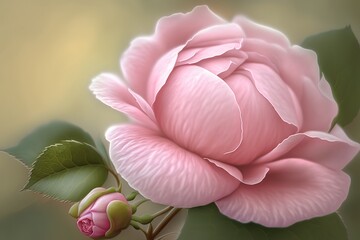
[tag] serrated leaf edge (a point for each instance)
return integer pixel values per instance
(25, 188)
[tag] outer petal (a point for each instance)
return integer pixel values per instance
(100, 219)
(138, 61)
(207, 43)
(101, 203)
(260, 134)
(293, 190)
(299, 69)
(272, 87)
(255, 30)
(198, 111)
(109, 89)
(332, 150)
(97, 232)
(318, 104)
(163, 172)
(249, 175)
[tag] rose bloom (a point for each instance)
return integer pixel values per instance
(231, 113)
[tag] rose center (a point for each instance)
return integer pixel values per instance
(86, 226)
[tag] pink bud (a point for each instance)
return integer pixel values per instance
(106, 215)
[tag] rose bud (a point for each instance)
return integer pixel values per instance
(103, 213)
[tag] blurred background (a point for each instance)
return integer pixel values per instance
(50, 51)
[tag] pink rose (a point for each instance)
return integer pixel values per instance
(102, 213)
(230, 113)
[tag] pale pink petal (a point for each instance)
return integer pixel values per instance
(260, 134)
(198, 111)
(319, 107)
(293, 190)
(254, 174)
(102, 202)
(172, 31)
(298, 68)
(160, 73)
(255, 30)
(291, 63)
(272, 87)
(216, 35)
(333, 150)
(249, 175)
(109, 89)
(144, 106)
(101, 220)
(97, 232)
(166, 63)
(164, 172)
(213, 51)
(222, 66)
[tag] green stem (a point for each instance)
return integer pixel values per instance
(135, 207)
(161, 212)
(132, 196)
(165, 221)
(146, 219)
(137, 227)
(118, 182)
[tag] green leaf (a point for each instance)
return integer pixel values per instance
(33, 144)
(207, 223)
(67, 171)
(339, 59)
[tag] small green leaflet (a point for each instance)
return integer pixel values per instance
(339, 59)
(67, 171)
(33, 144)
(207, 223)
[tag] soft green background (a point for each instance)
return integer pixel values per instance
(49, 52)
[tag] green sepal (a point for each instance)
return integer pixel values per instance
(119, 215)
(145, 219)
(90, 198)
(132, 196)
(74, 210)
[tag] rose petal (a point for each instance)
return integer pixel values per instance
(334, 150)
(272, 87)
(109, 89)
(319, 107)
(260, 134)
(299, 69)
(213, 51)
(293, 190)
(101, 204)
(255, 30)
(216, 35)
(213, 41)
(101, 220)
(138, 61)
(162, 171)
(249, 175)
(198, 111)
(97, 232)
(222, 66)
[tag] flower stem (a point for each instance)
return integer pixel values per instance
(161, 212)
(151, 233)
(118, 182)
(165, 221)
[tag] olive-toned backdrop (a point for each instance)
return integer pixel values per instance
(49, 52)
